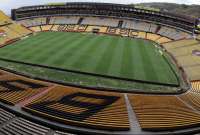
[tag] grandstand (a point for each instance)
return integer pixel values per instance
(163, 112)
(33, 22)
(101, 21)
(98, 68)
(4, 19)
(11, 31)
(64, 20)
(89, 109)
(183, 51)
(11, 124)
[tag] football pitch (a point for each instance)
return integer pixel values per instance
(128, 58)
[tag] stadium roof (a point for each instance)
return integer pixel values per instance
(7, 5)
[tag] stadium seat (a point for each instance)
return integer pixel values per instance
(22, 126)
(14, 89)
(142, 35)
(10, 35)
(22, 31)
(55, 27)
(180, 43)
(157, 112)
(192, 97)
(112, 31)
(184, 50)
(195, 86)
(4, 20)
(70, 27)
(61, 28)
(25, 23)
(133, 33)
(35, 28)
(11, 30)
(79, 107)
(46, 27)
(33, 22)
(33, 107)
(152, 36)
(153, 28)
(124, 32)
(173, 33)
(129, 24)
(186, 54)
(5, 116)
(163, 40)
(16, 125)
(138, 25)
(10, 124)
(81, 28)
(100, 21)
(102, 29)
(64, 20)
(193, 72)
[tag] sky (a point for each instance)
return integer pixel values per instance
(7, 5)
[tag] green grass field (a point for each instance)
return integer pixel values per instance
(99, 54)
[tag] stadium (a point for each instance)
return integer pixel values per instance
(98, 68)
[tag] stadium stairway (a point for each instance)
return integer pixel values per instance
(120, 24)
(80, 21)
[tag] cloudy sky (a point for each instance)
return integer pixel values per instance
(6, 5)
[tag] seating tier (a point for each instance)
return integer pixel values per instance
(79, 107)
(14, 89)
(155, 112)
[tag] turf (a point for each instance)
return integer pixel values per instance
(99, 54)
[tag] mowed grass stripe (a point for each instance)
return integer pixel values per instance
(97, 53)
(21, 42)
(168, 71)
(139, 67)
(66, 51)
(156, 63)
(106, 57)
(44, 49)
(73, 54)
(161, 65)
(81, 58)
(14, 49)
(92, 49)
(56, 46)
(149, 72)
(150, 55)
(116, 62)
(127, 60)
(30, 50)
(61, 50)
(101, 54)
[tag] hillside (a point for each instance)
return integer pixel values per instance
(190, 10)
